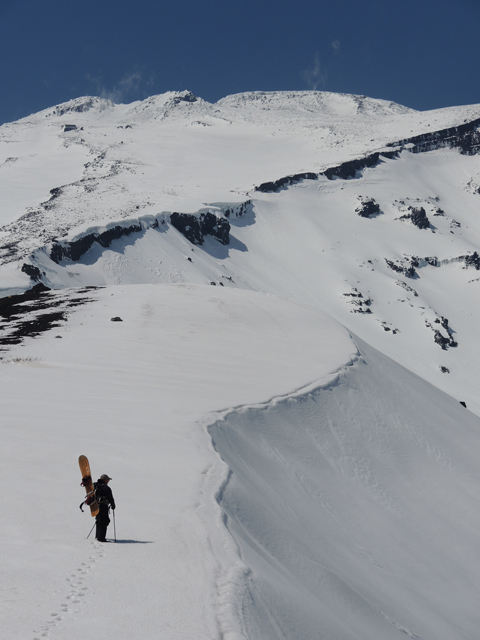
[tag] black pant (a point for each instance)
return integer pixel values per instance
(103, 521)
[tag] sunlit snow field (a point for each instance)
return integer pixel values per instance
(135, 397)
(284, 466)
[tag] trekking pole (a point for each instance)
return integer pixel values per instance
(91, 530)
(114, 528)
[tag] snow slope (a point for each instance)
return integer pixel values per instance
(307, 243)
(357, 508)
(137, 164)
(339, 497)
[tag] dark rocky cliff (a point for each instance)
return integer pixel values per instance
(464, 137)
(194, 228)
(75, 249)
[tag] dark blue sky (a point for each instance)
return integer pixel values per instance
(421, 53)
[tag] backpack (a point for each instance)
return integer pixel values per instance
(94, 495)
(99, 497)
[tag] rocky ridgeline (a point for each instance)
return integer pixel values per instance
(75, 249)
(465, 138)
(287, 181)
(193, 226)
(409, 265)
(344, 171)
(44, 223)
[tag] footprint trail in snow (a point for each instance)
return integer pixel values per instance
(76, 594)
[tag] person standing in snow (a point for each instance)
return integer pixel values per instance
(105, 500)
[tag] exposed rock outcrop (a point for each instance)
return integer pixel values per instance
(81, 105)
(194, 228)
(32, 271)
(408, 271)
(350, 169)
(359, 302)
(407, 288)
(33, 312)
(344, 171)
(281, 183)
(185, 96)
(367, 208)
(237, 210)
(444, 341)
(75, 249)
(472, 260)
(387, 326)
(464, 137)
(418, 217)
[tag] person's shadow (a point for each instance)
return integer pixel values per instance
(132, 541)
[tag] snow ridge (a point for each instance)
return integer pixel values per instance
(310, 449)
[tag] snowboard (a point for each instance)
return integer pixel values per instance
(87, 482)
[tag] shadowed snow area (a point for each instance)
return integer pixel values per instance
(356, 509)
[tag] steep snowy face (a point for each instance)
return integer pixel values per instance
(363, 208)
(343, 502)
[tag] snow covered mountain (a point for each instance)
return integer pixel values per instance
(359, 207)
(306, 282)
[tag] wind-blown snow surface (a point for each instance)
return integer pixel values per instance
(346, 503)
(357, 509)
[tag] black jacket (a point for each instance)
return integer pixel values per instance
(104, 493)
